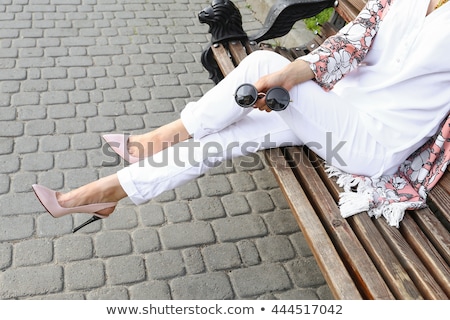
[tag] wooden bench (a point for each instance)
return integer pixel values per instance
(360, 257)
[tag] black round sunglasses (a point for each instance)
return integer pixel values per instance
(277, 98)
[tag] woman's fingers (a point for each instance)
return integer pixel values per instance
(261, 105)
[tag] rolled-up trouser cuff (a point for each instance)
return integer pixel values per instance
(129, 187)
(191, 122)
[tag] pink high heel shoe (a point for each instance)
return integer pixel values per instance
(49, 200)
(119, 142)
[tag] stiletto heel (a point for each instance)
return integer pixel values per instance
(84, 224)
(49, 200)
(119, 142)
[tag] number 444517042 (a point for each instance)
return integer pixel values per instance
(307, 309)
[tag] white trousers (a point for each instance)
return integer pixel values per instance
(222, 130)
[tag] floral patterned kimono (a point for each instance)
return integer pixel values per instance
(397, 79)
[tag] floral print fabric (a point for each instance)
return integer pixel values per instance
(342, 53)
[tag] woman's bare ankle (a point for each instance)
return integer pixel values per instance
(146, 145)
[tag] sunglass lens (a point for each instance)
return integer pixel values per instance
(277, 98)
(246, 95)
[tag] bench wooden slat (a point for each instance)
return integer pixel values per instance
(358, 4)
(435, 231)
(421, 277)
(237, 50)
(328, 30)
(223, 59)
(343, 237)
(333, 269)
(348, 11)
(426, 251)
(385, 260)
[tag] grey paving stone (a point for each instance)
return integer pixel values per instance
(278, 198)
(239, 227)
(176, 212)
(33, 112)
(23, 181)
(150, 290)
(40, 127)
(54, 73)
(6, 146)
(112, 243)
(11, 129)
(84, 275)
(182, 235)
(37, 162)
(152, 215)
(265, 179)
(64, 160)
(73, 248)
(300, 244)
(235, 204)
(129, 123)
(85, 141)
(13, 74)
(123, 218)
(275, 248)
(305, 272)
(193, 260)
(188, 191)
(54, 143)
(5, 255)
(11, 87)
(206, 208)
(33, 252)
(47, 226)
(59, 296)
(165, 265)
(281, 222)
(61, 111)
(16, 227)
(51, 179)
(4, 183)
(298, 294)
(248, 252)
(214, 185)
(102, 125)
(260, 201)
(258, 280)
(211, 286)
(74, 61)
(26, 144)
(77, 177)
(146, 240)
(29, 281)
(108, 293)
(221, 256)
(134, 265)
(325, 293)
(242, 181)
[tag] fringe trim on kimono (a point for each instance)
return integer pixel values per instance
(359, 196)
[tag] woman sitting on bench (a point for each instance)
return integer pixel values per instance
(393, 98)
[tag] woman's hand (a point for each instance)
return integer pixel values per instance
(294, 73)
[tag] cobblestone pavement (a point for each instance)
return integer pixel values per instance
(72, 70)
